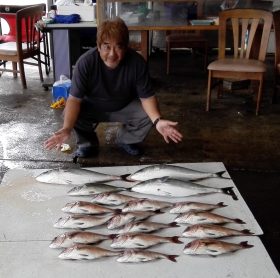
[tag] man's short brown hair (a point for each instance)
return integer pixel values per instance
(113, 29)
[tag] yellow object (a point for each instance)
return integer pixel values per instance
(59, 103)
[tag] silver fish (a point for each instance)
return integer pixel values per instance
(136, 256)
(121, 219)
(213, 231)
(213, 247)
(86, 252)
(74, 176)
(83, 207)
(183, 207)
(176, 188)
(205, 217)
(172, 171)
(141, 240)
(145, 205)
(145, 227)
(110, 198)
(69, 239)
(92, 188)
(81, 221)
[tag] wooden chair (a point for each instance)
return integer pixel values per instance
(276, 24)
(187, 39)
(249, 27)
(27, 44)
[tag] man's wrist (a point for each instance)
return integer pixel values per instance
(156, 121)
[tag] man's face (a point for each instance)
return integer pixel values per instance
(111, 52)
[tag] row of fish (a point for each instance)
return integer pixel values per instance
(83, 176)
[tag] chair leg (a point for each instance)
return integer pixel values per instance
(259, 96)
(167, 58)
(40, 69)
(208, 100)
(22, 74)
(14, 66)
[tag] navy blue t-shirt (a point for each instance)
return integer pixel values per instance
(108, 89)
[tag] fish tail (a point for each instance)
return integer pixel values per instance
(229, 191)
(246, 232)
(175, 239)
(245, 244)
(125, 177)
(112, 236)
(239, 221)
(172, 258)
(221, 204)
(173, 224)
(220, 175)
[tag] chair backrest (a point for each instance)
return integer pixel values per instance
(245, 25)
(276, 24)
(25, 27)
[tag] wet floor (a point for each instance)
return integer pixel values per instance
(231, 133)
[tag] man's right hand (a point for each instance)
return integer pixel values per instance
(57, 139)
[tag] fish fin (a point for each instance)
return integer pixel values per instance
(239, 221)
(245, 244)
(175, 239)
(247, 232)
(173, 224)
(229, 191)
(172, 258)
(221, 204)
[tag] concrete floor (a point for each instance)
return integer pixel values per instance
(231, 133)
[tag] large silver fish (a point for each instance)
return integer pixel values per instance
(176, 188)
(86, 252)
(145, 205)
(121, 219)
(69, 239)
(213, 247)
(89, 189)
(204, 217)
(111, 198)
(74, 176)
(183, 207)
(140, 256)
(145, 227)
(83, 207)
(80, 221)
(213, 231)
(141, 240)
(173, 171)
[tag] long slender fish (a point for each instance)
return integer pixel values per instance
(176, 188)
(213, 247)
(173, 171)
(111, 198)
(80, 221)
(145, 205)
(140, 256)
(213, 231)
(205, 217)
(123, 218)
(183, 207)
(145, 227)
(86, 252)
(83, 207)
(141, 240)
(89, 189)
(74, 176)
(69, 239)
